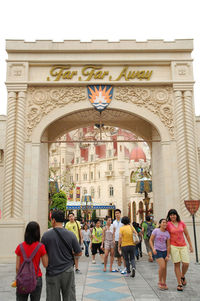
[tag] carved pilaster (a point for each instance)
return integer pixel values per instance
(14, 156)
(186, 147)
(19, 155)
(181, 150)
(9, 156)
(191, 146)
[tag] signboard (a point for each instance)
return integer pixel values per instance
(93, 72)
(192, 206)
(78, 194)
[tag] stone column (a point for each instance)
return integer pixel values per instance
(19, 156)
(186, 147)
(191, 146)
(8, 193)
(14, 157)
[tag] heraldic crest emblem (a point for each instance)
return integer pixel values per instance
(100, 96)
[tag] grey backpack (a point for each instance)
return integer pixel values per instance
(26, 277)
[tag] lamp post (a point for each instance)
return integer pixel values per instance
(144, 185)
(192, 206)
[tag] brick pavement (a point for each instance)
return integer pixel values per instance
(94, 284)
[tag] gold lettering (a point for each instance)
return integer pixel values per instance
(58, 73)
(141, 75)
(89, 73)
(98, 75)
(104, 74)
(122, 74)
(148, 74)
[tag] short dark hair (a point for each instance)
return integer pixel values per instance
(70, 213)
(148, 218)
(173, 211)
(162, 219)
(58, 215)
(32, 233)
(97, 220)
(107, 217)
(118, 210)
(125, 220)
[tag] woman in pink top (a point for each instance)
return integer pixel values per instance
(179, 250)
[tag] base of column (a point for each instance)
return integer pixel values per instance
(11, 233)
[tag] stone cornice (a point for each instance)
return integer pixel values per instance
(178, 45)
(16, 87)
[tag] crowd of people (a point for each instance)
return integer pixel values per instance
(61, 247)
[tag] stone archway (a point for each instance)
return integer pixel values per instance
(46, 98)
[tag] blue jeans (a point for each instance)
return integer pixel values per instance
(86, 243)
(35, 295)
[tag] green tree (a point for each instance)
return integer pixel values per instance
(79, 217)
(94, 216)
(59, 201)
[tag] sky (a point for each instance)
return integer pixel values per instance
(88, 20)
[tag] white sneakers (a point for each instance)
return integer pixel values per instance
(93, 261)
(123, 272)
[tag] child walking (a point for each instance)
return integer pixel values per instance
(160, 244)
(108, 241)
(96, 241)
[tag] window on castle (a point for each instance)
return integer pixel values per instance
(92, 192)
(111, 190)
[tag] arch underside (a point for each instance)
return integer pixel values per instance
(110, 117)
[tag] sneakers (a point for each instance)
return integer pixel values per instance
(93, 261)
(77, 271)
(133, 273)
(114, 271)
(123, 272)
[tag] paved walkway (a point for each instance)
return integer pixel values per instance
(95, 285)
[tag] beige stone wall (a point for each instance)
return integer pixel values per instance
(3, 119)
(159, 107)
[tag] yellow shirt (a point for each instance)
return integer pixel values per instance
(73, 228)
(127, 235)
(97, 232)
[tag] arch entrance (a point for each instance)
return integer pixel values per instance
(47, 96)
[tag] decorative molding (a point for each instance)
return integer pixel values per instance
(9, 157)
(41, 101)
(17, 72)
(157, 100)
(19, 160)
(186, 148)
(191, 147)
(181, 151)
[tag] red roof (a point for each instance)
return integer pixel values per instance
(137, 154)
(101, 151)
(84, 153)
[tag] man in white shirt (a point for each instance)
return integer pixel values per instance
(117, 224)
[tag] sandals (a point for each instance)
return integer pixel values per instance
(180, 288)
(161, 286)
(184, 282)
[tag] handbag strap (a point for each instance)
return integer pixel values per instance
(79, 235)
(64, 241)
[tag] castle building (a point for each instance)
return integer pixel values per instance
(106, 171)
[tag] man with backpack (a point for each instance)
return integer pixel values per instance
(147, 228)
(62, 246)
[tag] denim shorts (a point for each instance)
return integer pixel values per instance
(160, 254)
